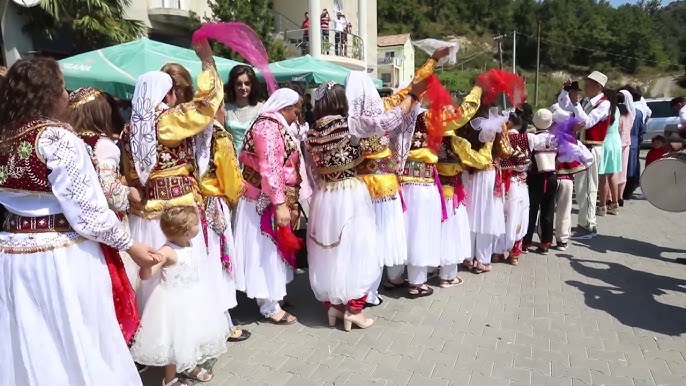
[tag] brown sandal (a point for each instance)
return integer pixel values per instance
(513, 260)
(482, 268)
(284, 320)
(420, 291)
(451, 282)
(390, 286)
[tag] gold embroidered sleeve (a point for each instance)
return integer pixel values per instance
(468, 109)
(422, 72)
(468, 156)
(188, 119)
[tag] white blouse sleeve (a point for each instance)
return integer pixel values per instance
(117, 194)
(362, 127)
(75, 185)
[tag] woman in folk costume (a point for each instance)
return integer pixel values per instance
(221, 186)
(487, 135)
(264, 264)
(94, 115)
(54, 283)
(417, 148)
(160, 151)
(344, 260)
(378, 171)
(453, 157)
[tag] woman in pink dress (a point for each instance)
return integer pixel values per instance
(270, 158)
(627, 113)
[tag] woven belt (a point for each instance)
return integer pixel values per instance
(51, 223)
(167, 188)
(252, 176)
(418, 169)
(382, 165)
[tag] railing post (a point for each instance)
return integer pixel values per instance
(315, 28)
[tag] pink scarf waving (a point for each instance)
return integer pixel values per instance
(242, 39)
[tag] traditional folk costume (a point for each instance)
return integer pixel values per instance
(594, 113)
(454, 156)
(161, 162)
(378, 170)
(53, 274)
(221, 185)
(344, 260)
(270, 159)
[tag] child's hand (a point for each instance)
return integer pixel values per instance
(143, 255)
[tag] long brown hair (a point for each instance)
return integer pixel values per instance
(181, 80)
(29, 90)
(333, 102)
(92, 110)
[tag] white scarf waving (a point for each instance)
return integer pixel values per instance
(151, 88)
(363, 99)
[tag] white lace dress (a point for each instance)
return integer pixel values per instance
(180, 324)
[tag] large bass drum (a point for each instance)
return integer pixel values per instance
(663, 183)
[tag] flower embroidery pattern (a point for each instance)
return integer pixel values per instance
(4, 173)
(24, 150)
(143, 139)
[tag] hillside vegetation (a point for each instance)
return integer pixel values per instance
(640, 43)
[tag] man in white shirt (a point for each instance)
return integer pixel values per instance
(594, 116)
(339, 25)
(643, 106)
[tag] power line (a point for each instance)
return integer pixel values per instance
(596, 50)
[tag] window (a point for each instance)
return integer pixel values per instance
(390, 54)
(386, 77)
(662, 109)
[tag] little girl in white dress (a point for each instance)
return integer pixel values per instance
(179, 341)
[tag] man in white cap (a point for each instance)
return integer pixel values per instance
(594, 116)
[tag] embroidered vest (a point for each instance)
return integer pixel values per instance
(290, 146)
(421, 132)
(173, 157)
(446, 155)
(596, 135)
(21, 166)
(332, 151)
(520, 160)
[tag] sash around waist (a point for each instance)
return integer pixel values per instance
(15, 223)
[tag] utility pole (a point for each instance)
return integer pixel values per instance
(499, 39)
(538, 60)
(514, 52)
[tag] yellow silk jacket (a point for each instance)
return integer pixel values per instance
(223, 177)
(175, 128)
(385, 185)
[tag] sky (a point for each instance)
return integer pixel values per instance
(620, 2)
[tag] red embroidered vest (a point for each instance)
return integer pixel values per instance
(421, 132)
(596, 134)
(520, 160)
(21, 167)
(173, 157)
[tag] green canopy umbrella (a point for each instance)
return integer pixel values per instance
(115, 69)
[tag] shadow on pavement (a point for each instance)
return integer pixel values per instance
(630, 296)
(605, 243)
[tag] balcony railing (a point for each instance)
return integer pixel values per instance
(170, 4)
(333, 43)
(389, 61)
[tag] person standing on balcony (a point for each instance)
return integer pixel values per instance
(305, 27)
(347, 35)
(324, 21)
(340, 25)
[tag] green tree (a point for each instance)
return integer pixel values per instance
(92, 23)
(255, 13)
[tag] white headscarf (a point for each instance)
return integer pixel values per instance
(280, 99)
(363, 99)
(629, 102)
(151, 88)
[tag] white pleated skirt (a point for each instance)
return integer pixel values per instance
(456, 243)
(57, 318)
(423, 224)
(259, 269)
(392, 237)
(516, 213)
(485, 211)
(223, 281)
(342, 249)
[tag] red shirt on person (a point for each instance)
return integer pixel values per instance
(655, 154)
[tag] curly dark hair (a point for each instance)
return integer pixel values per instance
(29, 90)
(255, 86)
(334, 102)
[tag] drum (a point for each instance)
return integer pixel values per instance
(663, 183)
(545, 160)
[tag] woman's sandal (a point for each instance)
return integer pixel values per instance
(420, 291)
(468, 264)
(285, 320)
(390, 286)
(235, 337)
(513, 260)
(202, 375)
(173, 382)
(481, 268)
(451, 282)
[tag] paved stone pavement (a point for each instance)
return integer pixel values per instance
(609, 311)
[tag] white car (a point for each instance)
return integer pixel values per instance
(664, 117)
